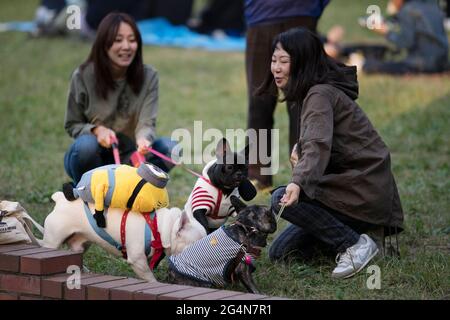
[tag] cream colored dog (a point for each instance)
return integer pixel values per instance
(68, 223)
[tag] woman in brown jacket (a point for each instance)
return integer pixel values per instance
(342, 185)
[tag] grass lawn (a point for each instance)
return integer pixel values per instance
(411, 114)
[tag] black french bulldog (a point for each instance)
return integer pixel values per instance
(226, 255)
(209, 201)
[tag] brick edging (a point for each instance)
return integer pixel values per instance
(28, 272)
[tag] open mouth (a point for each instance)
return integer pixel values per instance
(278, 80)
(125, 56)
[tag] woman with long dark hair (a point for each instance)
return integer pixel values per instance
(113, 95)
(342, 186)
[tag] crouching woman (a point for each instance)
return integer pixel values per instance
(342, 185)
(113, 96)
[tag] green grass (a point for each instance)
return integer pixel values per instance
(410, 113)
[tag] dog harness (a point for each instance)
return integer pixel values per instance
(208, 260)
(206, 196)
(151, 227)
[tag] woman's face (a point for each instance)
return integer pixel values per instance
(280, 66)
(124, 47)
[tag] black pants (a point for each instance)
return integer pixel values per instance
(261, 108)
(314, 227)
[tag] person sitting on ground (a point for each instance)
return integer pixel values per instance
(113, 95)
(419, 29)
(342, 185)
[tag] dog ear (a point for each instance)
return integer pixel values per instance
(245, 152)
(184, 220)
(247, 190)
(222, 150)
(237, 204)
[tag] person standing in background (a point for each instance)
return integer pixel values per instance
(265, 19)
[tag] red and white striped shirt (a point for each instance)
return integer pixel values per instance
(206, 196)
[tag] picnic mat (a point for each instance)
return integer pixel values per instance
(160, 32)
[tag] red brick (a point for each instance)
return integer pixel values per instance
(50, 262)
(127, 292)
(10, 260)
(153, 293)
(13, 247)
(246, 296)
(8, 296)
(101, 291)
(9, 263)
(184, 294)
(80, 294)
(217, 295)
(52, 287)
(21, 284)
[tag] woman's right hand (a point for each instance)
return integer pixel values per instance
(104, 136)
(291, 194)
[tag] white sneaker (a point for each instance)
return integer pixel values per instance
(355, 258)
(447, 24)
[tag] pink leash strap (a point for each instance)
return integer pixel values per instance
(166, 158)
(115, 149)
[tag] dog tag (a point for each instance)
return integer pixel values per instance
(213, 241)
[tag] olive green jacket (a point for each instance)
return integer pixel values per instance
(122, 111)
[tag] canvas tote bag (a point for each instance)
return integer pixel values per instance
(16, 225)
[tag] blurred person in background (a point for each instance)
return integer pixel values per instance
(265, 19)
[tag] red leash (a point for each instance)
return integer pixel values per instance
(115, 149)
(137, 159)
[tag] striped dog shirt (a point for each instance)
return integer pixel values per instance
(206, 196)
(207, 260)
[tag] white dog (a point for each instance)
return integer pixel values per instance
(70, 222)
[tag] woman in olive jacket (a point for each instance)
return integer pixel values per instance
(342, 185)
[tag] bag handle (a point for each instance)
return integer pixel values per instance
(29, 230)
(16, 210)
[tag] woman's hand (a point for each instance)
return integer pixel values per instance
(294, 156)
(104, 136)
(382, 30)
(291, 194)
(142, 145)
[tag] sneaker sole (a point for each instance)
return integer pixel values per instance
(363, 266)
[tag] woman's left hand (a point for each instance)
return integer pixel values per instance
(291, 194)
(382, 29)
(143, 145)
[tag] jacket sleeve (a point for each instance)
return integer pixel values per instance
(404, 33)
(315, 142)
(75, 121)
(146, 126)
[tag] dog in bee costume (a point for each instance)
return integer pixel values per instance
(139, 189)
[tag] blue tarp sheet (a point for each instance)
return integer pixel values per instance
(159, 32)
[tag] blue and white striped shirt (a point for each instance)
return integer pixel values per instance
(207, 259)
